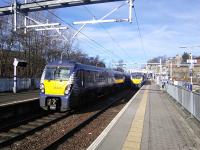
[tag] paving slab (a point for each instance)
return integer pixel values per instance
(163, 126)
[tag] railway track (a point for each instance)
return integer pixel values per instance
(23, 128)
(54, 129)
(79, 126)
(13, 123)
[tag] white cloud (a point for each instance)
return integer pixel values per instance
(165, 26)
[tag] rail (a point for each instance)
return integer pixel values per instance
(29, 126)
(81, 125)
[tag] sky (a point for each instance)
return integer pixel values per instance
(165, 26)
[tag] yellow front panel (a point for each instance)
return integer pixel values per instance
(136, 81)
(55, 87)
(119, 81)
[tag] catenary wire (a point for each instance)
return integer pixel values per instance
(139, 32)
(86, 36)
(107, 32)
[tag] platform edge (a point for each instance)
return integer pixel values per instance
(100, 138)
(18, 102)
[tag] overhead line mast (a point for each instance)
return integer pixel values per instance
(26, 7)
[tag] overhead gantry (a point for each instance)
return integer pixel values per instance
(50, 4)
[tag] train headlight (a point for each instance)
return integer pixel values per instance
(42, 88)
(67, 89)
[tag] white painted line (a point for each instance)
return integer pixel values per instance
(100, 138)
(17, 102)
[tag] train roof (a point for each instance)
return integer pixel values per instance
(61, 63)
(77, 65)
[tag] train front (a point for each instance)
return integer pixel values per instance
(55, 87)
(137, 79)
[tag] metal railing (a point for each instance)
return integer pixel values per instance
(189, 100)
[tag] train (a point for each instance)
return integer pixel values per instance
(138, 79)
(66, 85)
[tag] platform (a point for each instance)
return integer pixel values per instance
(150, 121)
(11, 98)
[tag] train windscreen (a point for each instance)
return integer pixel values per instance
(136, 75)
(57, 73)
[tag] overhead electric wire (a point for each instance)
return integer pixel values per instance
(91, 46)
(88, 40)
(106, 50)
(86, 36)
(107, 32)
(139, 32)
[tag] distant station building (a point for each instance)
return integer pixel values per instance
(180, 69)
(198, 59)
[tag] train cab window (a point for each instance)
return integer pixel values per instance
(57, 73)
(119, 76)
(136, 75)
(62, 74)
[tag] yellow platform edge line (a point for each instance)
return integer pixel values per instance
(134, 138)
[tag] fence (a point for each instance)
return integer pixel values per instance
(6, 84)
(189, 100)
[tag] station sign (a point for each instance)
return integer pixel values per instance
(16, 63)
(20, 63)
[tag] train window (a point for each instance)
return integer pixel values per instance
(102, 77)
(92, 77)
(87, 76)
(57, 73)
(97, 76)
(137, 75)
(119, 76)
(62, 74)
(79, 76)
